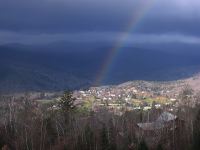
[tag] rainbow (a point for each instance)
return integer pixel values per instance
(144, 7)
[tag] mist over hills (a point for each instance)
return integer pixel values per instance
(59, 66)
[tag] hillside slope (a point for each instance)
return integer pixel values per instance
(62, 67)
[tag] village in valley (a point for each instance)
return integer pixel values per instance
(137, 95)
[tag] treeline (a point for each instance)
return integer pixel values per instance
(27, 125)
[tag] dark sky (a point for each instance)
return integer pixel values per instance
(44, 21)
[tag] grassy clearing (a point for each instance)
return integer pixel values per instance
(149, 101)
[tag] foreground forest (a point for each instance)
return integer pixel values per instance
(63, 125)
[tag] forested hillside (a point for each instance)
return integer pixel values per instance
(58, 66)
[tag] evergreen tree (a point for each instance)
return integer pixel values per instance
(66, 105)
(142, 145)
(196, 142)
(104, 138)
(89, 138)
(159, 147)
(112, 136)
(51, 132)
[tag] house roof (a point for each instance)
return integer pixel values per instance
(159, 123)
(151, 126)
(165, 117)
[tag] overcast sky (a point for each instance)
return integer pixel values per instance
(43, 21)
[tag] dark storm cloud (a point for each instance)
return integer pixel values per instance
(69, 15)
(61, 15)
(58, 19)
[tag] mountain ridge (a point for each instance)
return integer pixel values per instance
(25, 67)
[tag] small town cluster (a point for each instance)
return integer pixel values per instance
(129, 96)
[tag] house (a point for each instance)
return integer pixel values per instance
(163, 129)
(147, 108)
(157, 106)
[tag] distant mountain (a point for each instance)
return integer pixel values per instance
(61, 66)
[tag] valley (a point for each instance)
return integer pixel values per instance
(128, 96)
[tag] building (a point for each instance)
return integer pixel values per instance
(163, 130)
